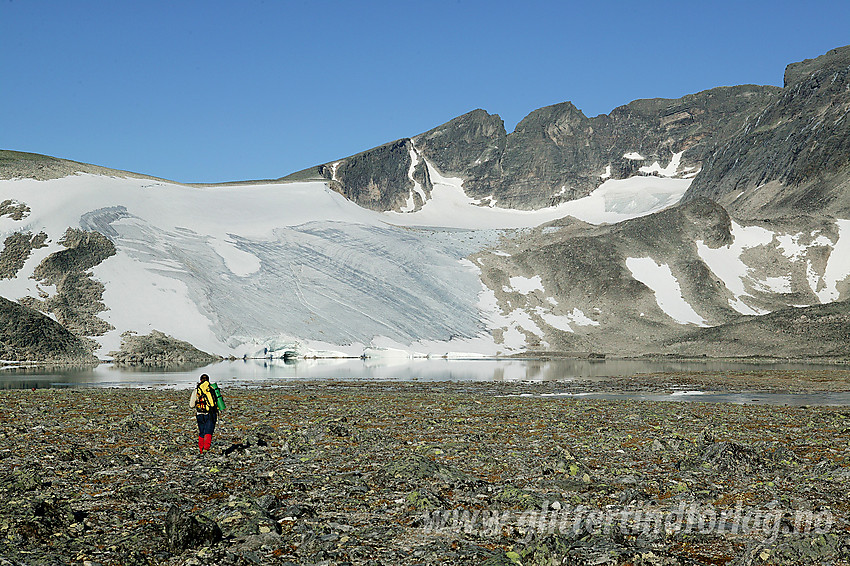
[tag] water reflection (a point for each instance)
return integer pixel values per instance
(248, 372)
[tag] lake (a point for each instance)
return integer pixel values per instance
(278, 372)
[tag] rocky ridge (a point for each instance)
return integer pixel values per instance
(555, 154)
(19, 164)
(586, 294)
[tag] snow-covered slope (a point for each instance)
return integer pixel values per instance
(235, 269)
(242, 269)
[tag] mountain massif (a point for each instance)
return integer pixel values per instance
(716, 224)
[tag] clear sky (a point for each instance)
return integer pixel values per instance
(211, 91)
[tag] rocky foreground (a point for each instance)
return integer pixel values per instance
(416, 473)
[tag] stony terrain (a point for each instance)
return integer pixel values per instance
(407, 473)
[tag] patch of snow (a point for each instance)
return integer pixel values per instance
(775, 284)
(607, 173)
(582, 319)
(633, 156)
(565, 322)
(410, 206)
(659, 278)
(726, 263)
(526, 285)
(790, 245)
(669, 171)
(561, 323)
(838, 264)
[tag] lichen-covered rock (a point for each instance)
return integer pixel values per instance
(241, 518)
(184, 530)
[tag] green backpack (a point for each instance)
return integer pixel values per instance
(219, 400)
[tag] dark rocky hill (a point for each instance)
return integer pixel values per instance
(794, 155)
(26, 334)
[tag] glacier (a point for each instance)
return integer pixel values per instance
(268, 267)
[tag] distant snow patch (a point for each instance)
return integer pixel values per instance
(410, 205)
(565, 322)
(668, 294)
(607, 173)
(634, 156)
(669, 171)
(838, 265)
(526, 285)
(775, 284)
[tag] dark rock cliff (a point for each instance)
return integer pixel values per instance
(793, 156)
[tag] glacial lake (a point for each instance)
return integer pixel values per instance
(259, 372)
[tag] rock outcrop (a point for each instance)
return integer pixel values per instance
(78, 297)
(17, 249)
(159, 349)
(28, 335)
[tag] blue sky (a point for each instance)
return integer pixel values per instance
(213, 91)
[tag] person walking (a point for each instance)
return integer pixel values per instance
(206, 412)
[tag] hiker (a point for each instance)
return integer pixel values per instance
(203, 401)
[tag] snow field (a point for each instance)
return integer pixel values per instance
(727, 264)
(613, 201)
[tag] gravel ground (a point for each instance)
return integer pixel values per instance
(424, 473)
